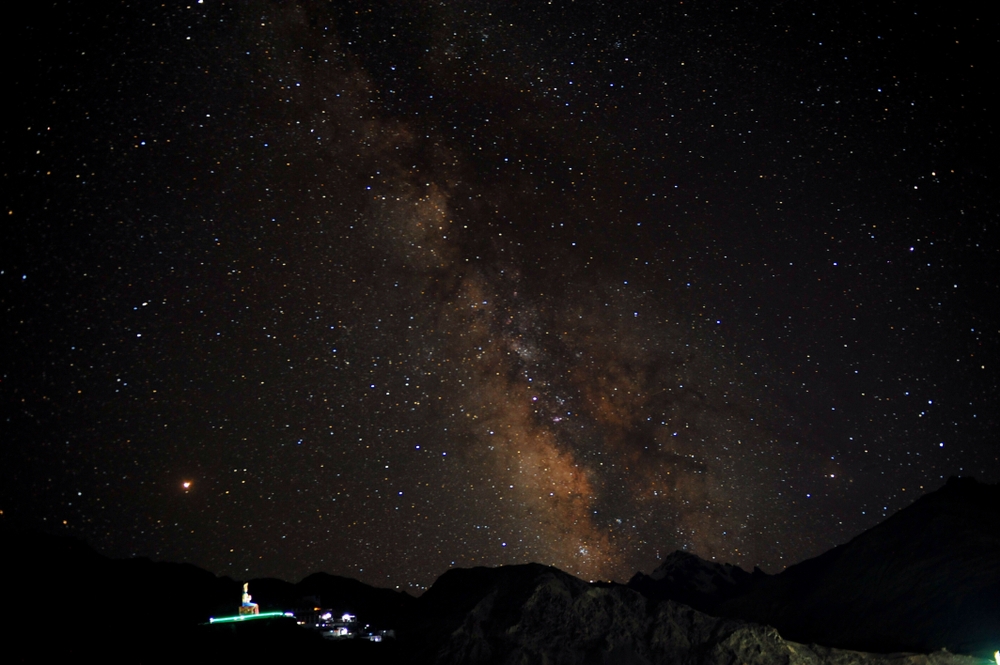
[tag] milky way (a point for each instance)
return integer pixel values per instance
(476, 283)
(588, 425)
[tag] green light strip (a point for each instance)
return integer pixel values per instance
(249, 617)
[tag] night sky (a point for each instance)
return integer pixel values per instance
(381, 288)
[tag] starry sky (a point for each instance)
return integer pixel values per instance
(379, 289)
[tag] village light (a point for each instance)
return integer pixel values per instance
(249, 617)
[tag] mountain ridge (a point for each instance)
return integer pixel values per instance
(924, 580)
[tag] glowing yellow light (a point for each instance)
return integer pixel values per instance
(186, 484)
(996, 656)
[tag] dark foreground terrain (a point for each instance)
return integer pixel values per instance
(927, 580)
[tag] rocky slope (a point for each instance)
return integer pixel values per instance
(536, 614)
(925, 579)
(689, 579)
